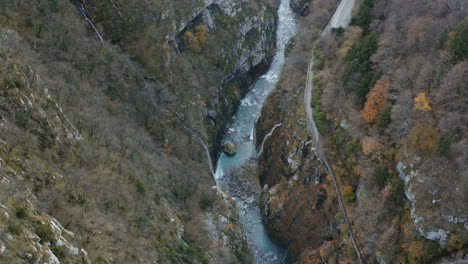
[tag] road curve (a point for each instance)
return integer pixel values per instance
(339, 15)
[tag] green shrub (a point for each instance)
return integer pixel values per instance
(244, 254)
(445, 143)
(442, 41)
(319, 60)
(398, 190)
(21, 212)
(380, 177)
(364, 16)
(456, 243)
(22, 119)
(458, 46)
(423, 251)
(141, 222)
(368, 80)
(157, 197)
(363, 49)
(140, 187)
(348, 194)
(206, 201)
(28, 22)
(14, 228)
(53, 5)
(339, 31)
(385, 118)
(44, 232)
(320, 120)
(59, 251)
(360, 65)
(363, 88)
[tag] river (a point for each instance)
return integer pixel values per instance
(242, 133)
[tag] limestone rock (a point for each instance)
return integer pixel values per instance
(229, 148)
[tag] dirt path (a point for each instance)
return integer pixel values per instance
(313, 128)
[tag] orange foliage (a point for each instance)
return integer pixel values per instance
(421, 102)
(200, 34)
(371, 145)
(425, 137)
(416, 30)
(376, 100)
(195, 41)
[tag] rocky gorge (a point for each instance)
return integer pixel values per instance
(175, 131)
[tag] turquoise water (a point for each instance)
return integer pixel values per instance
(242, 133)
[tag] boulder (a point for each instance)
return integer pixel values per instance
(229, 148)
(300, 7)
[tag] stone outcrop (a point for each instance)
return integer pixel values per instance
(229, 148)
(297, 203)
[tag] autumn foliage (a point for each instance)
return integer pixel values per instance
(349, 194)
(421, 102)
(417, 27)
(376, 100)
(424, 136)
(371, 145)
(195, 40)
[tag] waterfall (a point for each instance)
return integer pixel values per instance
(267, 136)
(85, 15)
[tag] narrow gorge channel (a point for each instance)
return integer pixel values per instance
(237, 174)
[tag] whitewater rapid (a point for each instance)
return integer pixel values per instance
(242, 133)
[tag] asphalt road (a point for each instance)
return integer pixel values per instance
(342, 15)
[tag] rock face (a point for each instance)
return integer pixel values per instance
(298, 204)
(226, 231)
(236, 46)
(229, 148)
(300, 6)
(426, 192)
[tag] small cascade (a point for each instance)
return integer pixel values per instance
(116, 9)
(85, 15)
(267, 136)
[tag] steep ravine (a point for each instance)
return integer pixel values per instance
(238, 174)
(121, 165)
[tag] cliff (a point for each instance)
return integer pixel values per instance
(102, 105)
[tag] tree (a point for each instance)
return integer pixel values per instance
(371, 145)
(364, 16)
(416, 30)
(425, 137)
(348, 194)
(457, 43)
(195, 40)
(446, 141)
(420, 251)
(380, 177)
(421, 102)
(385, 118)
(200, 34)
(359, 69)
(376, 100)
